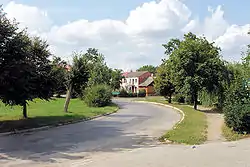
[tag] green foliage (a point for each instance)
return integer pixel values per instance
(162, 82)
(98, 95)
(24, 65)
(231, 135)
(79, 74)
(99, 72)
(189, 100)
(237, 104)
(179, 98)
(196, 65)
(207, 99)
(123, 93)
(116, 78)
(237, 113)
(149, 68)
(131, 94)
(142, 93)
(172, 45)
(237, 116)
(59, 73)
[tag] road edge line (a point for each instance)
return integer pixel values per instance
(168, 106)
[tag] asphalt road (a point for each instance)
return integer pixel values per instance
(136, 125)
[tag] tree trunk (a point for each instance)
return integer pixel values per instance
(170, 99)
(195, 100)
(68, 97)
(25, 110)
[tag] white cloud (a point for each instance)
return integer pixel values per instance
(135, 41)
(28, 16)
(234, 41)
(153, 16)
(212, 27)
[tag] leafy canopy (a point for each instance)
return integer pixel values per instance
(149, 68)
(162, 81)
(195, 64)
(24, 65)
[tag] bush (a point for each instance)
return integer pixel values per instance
(208, 99)
(142, 93)
(179, 98)
(98, 96)
(237, 109)
(237, 116)
(130, 94)
(123, 93)
(189, 100)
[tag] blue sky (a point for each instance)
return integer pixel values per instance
(235, 12)
(130, 33)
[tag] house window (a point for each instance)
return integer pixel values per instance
(135, 80)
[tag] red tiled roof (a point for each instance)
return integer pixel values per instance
(134, 74)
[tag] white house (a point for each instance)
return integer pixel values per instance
(132, 80)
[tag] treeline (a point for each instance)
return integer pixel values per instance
(28, 73)
(194, 73)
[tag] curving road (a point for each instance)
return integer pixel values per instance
(136, 125)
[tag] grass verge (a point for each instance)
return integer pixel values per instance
(192, 130)
(231, 135)
(44, 113)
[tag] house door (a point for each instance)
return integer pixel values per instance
(133, 89)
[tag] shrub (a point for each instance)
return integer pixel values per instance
(142, 93)
(179, 98)
(189, 100)
(237, 116)
(130, 94)
(237, 109)
(98, 96)
(123, 93)
(207, 99)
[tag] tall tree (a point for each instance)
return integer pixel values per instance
(163, 84)
(116, 78)
(149, 68)
(100, 73)
(24, 65)
(59, 72)
(78, 77)
(196, 64)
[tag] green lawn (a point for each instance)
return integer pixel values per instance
(43, 113)
(192, 130)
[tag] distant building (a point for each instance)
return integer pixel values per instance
(133, 81)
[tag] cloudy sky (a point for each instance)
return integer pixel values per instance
(130, 33)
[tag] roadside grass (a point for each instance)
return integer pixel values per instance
(46, 113)
(192, 130)
(231, 135)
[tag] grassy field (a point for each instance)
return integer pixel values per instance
(192, 130)
(43, 113)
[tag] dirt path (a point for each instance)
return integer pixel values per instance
(215, 122)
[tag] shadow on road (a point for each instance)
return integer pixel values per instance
(67, 142)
